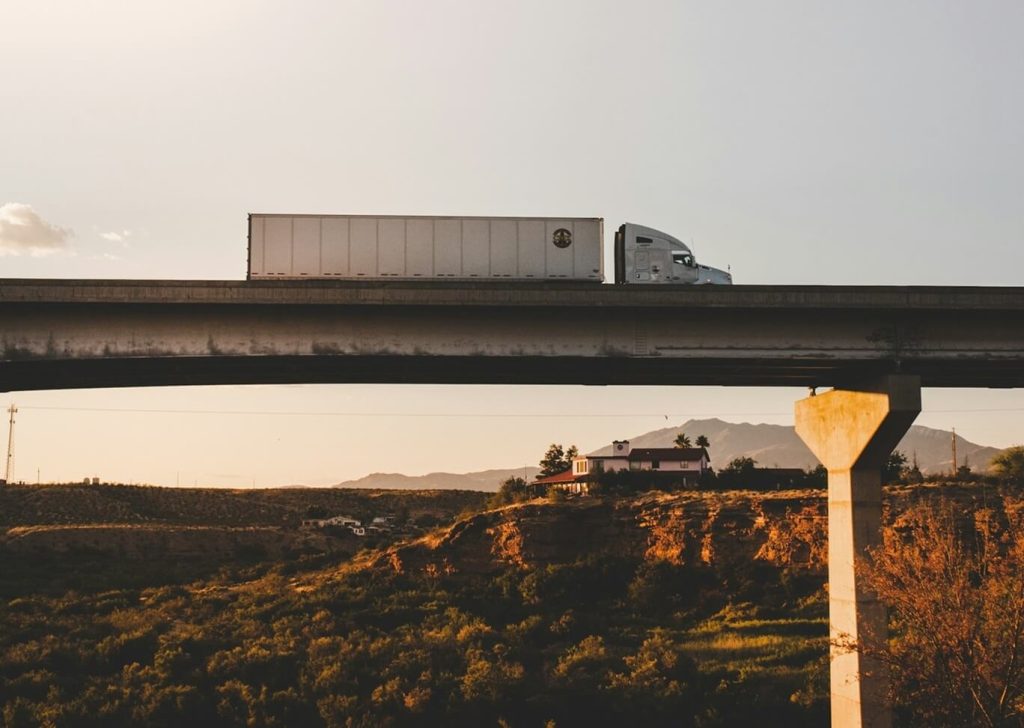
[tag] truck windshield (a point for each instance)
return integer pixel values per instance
(683, 259)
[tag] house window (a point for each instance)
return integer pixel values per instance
(633, 465)
(655, 464)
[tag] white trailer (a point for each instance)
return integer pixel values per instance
(419, 247)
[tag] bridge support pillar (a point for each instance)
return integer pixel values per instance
(853, 431)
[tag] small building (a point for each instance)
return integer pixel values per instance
(566, 481)
(687, 460)
(343, 521)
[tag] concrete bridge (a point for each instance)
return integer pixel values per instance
(64, 334)
(876, 345)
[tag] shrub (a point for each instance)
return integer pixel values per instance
(956, 596)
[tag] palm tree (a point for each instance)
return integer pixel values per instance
(682, 440)
(702, 441)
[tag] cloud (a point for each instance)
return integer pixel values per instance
(117, 237)
(22, 230)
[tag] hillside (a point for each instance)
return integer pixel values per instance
(660, 610)
(779, 446)
(90, 536)
(728, 531)
(27, 505)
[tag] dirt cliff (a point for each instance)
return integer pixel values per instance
(786, 529)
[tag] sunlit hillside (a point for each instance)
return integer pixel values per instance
(663, 608)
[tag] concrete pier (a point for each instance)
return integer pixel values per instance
(853, 431)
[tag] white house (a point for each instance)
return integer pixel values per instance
(342, 521)
(688, 460)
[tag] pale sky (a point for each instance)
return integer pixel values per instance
(797, 142)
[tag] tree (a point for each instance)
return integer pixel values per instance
(656, 680)
(737, 473)
(817, 477)
(1009, 464)
(742, 465)
(682, 440)
(557, 460)
(955, 591)
(913, 473)
(512, 490)
(584, 666)
(893, 468)
(702, 441)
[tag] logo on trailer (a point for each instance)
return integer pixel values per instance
(562, 238)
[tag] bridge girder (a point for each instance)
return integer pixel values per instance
(70, 334)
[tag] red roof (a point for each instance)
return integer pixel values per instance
(565, 476)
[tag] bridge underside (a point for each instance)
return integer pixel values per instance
(208, 370)
(72, 334)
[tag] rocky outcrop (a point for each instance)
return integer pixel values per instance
(684, 528)
(732, 530)
(721, 529)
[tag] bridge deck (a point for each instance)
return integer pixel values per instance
(81, 333)
(555, 293)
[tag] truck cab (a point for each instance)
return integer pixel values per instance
(644, 255)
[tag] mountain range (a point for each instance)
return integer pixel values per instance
(779, 446)
(482, 480)
(769, 445)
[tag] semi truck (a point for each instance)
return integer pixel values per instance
(375, 247)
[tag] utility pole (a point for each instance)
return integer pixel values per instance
(9, 472)
(954, 452)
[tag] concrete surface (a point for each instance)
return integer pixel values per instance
(67, 333)
(852, 432)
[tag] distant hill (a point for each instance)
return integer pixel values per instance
(770, 445)
(487, 480)
(32, 505)
(779, 445)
